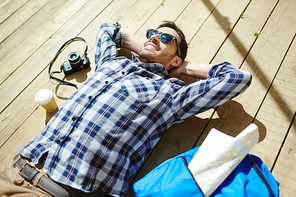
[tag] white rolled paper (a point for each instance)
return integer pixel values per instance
(218, 155)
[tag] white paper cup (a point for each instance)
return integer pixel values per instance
(44, 97)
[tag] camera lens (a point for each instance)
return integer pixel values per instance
(74, 58)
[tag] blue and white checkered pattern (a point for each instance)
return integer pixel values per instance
(102, 133)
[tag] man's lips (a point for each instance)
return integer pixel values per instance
(152, 45)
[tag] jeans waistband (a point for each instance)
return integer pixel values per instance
(38, 178)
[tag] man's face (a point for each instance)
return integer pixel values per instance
(155, 51)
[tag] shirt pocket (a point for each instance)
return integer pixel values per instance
(143, 89)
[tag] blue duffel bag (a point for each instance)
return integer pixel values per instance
(251, 178)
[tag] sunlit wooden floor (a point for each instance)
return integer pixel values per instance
(255, 35)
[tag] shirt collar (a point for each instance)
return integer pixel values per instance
(156, 68)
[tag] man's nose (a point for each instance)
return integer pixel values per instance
(155, 38)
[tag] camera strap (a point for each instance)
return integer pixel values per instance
(62, 82)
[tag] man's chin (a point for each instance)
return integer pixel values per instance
(146, 56)
(144, 59)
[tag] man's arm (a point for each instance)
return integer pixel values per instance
(130, 42)
(107, 42)
(195, 70)
(109, 38)
(221, 82)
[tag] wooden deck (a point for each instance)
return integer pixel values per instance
(31, 32)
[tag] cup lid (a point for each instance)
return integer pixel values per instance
(43, 96)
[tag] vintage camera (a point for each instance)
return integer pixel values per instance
(75, 63)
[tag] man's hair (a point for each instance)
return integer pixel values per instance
(182, 43)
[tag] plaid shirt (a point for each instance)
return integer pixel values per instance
(101, 134)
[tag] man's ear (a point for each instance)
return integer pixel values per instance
(176, 62)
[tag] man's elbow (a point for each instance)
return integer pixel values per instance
(247, 78)
(244, 80)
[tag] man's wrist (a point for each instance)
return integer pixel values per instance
(125, 40)
(196, 70)
(130, 42)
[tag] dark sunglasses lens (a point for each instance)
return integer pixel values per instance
(151, 32)
(166, 38)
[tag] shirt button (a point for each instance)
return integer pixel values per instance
(73, 118)
(58, 141)
(123, 72)
(106, 82)
(90, 97)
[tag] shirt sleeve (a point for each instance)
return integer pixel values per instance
(224, 82)
(107, 41)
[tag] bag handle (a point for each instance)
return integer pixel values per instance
(258, 171)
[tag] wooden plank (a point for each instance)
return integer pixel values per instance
(169, 11)
(241, 39)
(278, 109)
(138, 14)
(280, 100)
(3, 3)
(37, 38)
(263, 62)
(8, 7)
(26, 53)
(17, 19)
(194, 17)
(285, 167)
(34, 123)
(215, 30)
(29, 26)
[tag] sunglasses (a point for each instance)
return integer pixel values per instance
(164, 37)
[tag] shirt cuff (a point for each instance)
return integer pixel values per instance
(116, 35)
